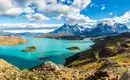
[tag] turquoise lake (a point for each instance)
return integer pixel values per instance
(45, 47)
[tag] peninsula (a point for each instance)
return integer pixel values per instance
(11, 40)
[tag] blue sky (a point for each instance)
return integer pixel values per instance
(117, 7)
(62, 11)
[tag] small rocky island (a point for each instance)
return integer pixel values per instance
(5, 40)
(73, 48)
(29, 49)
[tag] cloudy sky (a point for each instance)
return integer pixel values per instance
(54, 13)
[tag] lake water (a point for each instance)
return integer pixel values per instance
(45, 47)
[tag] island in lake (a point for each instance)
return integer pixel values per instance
(73, 48)
(29, 49)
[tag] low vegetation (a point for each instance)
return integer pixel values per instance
(109, 54)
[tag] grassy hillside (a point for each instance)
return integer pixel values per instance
(111, 54)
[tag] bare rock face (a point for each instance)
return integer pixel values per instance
(126, 75)
(59, 72)
(48, 66)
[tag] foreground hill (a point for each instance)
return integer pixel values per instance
(110, 54)
(46, 71)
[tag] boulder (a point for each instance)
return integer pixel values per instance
(47, 66)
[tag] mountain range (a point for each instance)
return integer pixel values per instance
(99, 29)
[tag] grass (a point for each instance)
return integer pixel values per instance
(122, 59)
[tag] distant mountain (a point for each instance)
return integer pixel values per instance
(99, 29)
(69, 29)
(120, 28)
(105, 29)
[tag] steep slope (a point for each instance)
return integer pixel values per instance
(100, 29)
(110, 54)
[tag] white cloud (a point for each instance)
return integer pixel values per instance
(62, 0)
(36, 17)
(49, 9)
(103, 8)
(122, 19)
(53, 10)
(56, 10)
(13, 8)
(69, 1)
(110, 13)
(78, 19)
(30, 31)
(80, 4)
(29, 25)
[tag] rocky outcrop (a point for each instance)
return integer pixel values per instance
(29, 49)
(73, 48)
(11, 40)
(45, 71)
(59, 72)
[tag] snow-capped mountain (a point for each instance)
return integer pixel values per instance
(120, 28)
(69, 29)
(99, 29)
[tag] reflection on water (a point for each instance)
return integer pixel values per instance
(45, 48)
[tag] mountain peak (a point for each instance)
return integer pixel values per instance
(99, 29)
